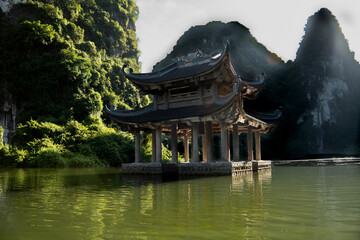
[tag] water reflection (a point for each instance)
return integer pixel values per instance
(104, 204)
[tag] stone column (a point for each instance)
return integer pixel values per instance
(174, 146)
(250, 145)
(195, 142)
(186, 147)
(224, 142)
(137, 146)
(158, 145)
(209, 141)
(153, 145)
(257, 146)
(236, 156)
(204, 148)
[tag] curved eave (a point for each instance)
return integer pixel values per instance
(253, 83)
(271, 119)
(250, 88)
(177, 71)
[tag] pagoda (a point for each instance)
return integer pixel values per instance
(202, 97)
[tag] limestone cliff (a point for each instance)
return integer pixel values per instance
(329, 74)
(320, 90)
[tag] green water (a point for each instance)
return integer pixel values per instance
(286, 203)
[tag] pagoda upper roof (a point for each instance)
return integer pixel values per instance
(181, 70)
(178, 70)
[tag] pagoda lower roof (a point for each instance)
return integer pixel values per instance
(152, 115)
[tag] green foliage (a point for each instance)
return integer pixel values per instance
(11, 156)
(44, 144)
(34, 34)
(1, 136)
(62, 59)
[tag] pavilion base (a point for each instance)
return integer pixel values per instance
(197, 169)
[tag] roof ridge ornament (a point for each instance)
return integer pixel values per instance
(124, 72)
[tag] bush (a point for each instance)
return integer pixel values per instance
(1, 137)
(43, 144)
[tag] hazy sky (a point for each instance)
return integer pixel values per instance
(278, 24)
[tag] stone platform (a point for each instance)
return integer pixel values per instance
(197, 169)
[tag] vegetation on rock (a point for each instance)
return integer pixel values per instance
(61, 60)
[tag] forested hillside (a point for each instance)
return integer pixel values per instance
(61, 60)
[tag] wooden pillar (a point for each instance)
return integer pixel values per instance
(186, 147)
(137, 146)
(224, 142)
(166, 99)
(203, 137)
(257, 146)
(156, 99)
(158, 145)
(153, 145)
(236, 156)
(250, 145)
(174, 146)
(228, 145)
(195, 142)
(209, 141)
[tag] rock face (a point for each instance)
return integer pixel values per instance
(7, 115)
(328, 72)
(6, 5)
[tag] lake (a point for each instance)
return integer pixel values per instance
(285, 203)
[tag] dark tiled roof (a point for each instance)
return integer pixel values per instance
(177, 70)
(152, 115)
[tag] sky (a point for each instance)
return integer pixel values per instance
(277, 24)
